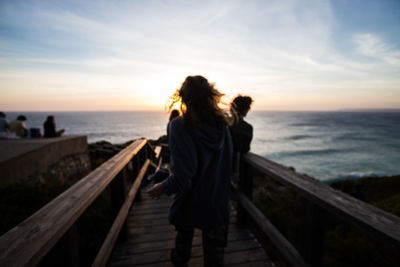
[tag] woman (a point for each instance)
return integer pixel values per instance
(173, 115)
(50, 128)
(241, 131)
(201, 169)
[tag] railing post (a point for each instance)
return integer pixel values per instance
(165, 153)
(129, 173)
(245, 186)
(136, 167)
(72, 237)
(66, 251)
(119, 191)
(141, 159)
(313, 234)
(147, 155)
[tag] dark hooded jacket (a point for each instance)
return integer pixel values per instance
(201, 170)
(242, 134)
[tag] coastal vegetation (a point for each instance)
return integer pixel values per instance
(344, 245)
(382, 192)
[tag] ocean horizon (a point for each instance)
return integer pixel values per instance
(327, 145)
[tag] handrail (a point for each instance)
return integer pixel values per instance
(282, 244)
(367, 217)
(106, 249)
(27, 243)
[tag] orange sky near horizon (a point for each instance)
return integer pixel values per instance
(286, 55)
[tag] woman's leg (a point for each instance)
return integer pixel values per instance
(214, 242)
(180, 255)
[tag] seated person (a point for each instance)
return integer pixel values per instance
(50, 128)
(4, 126)
(18, 126)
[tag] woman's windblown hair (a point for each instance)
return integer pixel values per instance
(199, 103)
(240, 106)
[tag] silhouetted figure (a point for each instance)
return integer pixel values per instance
(50, 128)
(241, 131)
(242, 134)
(173, 115)
(160, 173)
(201, 169)
(4, 126)
(18, 126)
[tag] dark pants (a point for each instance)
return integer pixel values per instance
(214, 241)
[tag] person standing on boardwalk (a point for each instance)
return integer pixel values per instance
(242, 134)
(241, 131)
(173, 115)
(201, 170)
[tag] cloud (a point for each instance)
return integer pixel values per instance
(134, 48)
(372, 46)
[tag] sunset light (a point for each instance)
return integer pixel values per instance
(199, 133)
(289, 55)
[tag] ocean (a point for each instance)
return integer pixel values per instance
(325, 145)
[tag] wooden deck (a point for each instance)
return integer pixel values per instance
(150, 239)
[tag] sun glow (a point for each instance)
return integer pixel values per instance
(99, 56)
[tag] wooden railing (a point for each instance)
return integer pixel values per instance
(320, 199)
(27, 243)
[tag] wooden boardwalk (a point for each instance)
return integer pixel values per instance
(148, 236)
(150, 239)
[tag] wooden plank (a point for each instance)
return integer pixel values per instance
(367, 217)
(236, 252)
(28, 242)
(283, 245)
(118, 193)
(149, 205)
(143, 217)
(159, 229)
(150, 242)
(155, 228)
(235, 243)
(108, 245)
(155, 166)
(149, 210)
(262, 263)
(249, 257)
(160, 161)
(313, 232)
(160, 221)
(141, 237)
(245, 185)
(72, 253)
(157, 152)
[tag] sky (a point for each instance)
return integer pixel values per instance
(132, 55)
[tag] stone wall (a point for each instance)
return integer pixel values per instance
(68, 169)
(62, 158)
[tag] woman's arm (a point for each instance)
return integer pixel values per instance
(183, 162)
